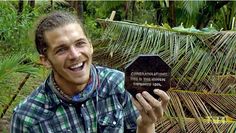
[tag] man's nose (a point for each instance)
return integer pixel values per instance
(74, 53)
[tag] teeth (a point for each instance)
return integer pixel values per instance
(77, 66)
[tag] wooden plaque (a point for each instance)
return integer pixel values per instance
(147, 72)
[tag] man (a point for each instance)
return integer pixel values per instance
(79, 96)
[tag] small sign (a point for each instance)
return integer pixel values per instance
(146, 73)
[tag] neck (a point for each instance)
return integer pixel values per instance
(69, 89)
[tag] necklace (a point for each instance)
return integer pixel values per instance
(86, 92)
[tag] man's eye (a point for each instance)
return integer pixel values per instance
(61, 50)
(80, 44)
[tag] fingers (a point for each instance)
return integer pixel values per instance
(137, 104)
(150, 108)
(164, 97)
(156, 105)
(139, 107)
(151, 100)
(143, 102)
(145, 108)
(151, 105)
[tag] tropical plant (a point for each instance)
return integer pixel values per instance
(203, 64)
(227, 14)
(16, 63)
(14, 28)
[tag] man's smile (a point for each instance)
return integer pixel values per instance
(77, 67)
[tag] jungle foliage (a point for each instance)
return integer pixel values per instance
(203, 81)
(196, 39)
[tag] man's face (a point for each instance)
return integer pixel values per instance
(69, 54)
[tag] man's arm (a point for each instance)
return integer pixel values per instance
(151, 110)
(17, 125)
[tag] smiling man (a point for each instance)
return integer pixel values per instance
(78, 96)
(69, 54)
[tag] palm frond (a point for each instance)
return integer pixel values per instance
(192, 56)
(171, 126)
(203, 71)
(203, 107)
(192, 7)
(13, 64)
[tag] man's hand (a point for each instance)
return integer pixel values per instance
(151, 109)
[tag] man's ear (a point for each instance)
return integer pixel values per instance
(44, 60)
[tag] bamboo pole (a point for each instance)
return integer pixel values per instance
(15, 95)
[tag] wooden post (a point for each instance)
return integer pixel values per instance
(233, 21)
(113, 13)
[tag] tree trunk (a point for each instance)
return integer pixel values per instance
(78, 6)
(31, 4)
(172, 16)
(20, 7)
(132, 4)
(127, 5)
(129, 10)
(52, 5)
(80, 10)
(159, 17)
